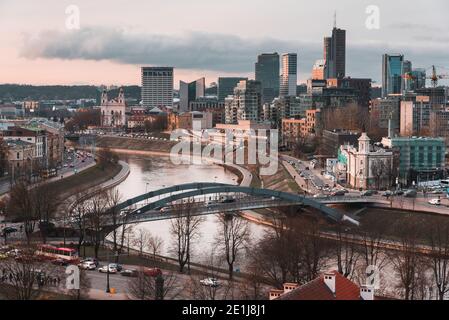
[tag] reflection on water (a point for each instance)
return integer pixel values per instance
(155, 173)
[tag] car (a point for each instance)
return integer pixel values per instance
(3, 256)
(367, 193)
(87, 265)
(72, 166)
(164, 209)
(210, 282)
(399, 193)
(152, 272)
(129, 273)
(437, 192)
(66, 165)
(94, 260)
(339, 193)
(116, 266)
(410, 194)
(435, 202)
(60, 262)
(104, 269)
(387, 194)
(8, 230)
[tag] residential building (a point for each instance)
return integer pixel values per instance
(11, 111)
(289, 77)
(20, 156)
(361, 88)
(113, 112)
(189, 92)
(203, 103)
(267, 73)
(420, 158)
(328, 286)
(292, 131)
(246, 103)
(367, 167)
(392, 73)
(415, 117)
(226, 86)
(37, 137)
(157, 86)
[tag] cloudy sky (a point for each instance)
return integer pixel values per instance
(207, 37)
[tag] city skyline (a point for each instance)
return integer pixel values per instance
(205, 47)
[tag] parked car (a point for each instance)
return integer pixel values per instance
(435, 202)
(339, 193)
(152, 272)
(87, 265)
(210, 282)
(8, 230)
(116, 266)
(60, 262)
(410, 194)
(367, 193)
(104, 269)
(387, 194)
(129, 273)
(94, 260)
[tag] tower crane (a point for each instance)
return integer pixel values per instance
(435, 77)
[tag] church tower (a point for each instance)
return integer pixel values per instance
(121, 96)
(364, 144)
(104, 98)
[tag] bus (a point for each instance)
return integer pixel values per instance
(53, 253)
(49, 173)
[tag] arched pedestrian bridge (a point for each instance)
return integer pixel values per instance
(213, 198)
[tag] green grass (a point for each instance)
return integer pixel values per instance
(84, 180)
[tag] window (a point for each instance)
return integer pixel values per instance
(18, 155)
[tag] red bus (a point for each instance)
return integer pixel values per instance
(67, 254)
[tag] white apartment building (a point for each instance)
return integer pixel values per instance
(245, 104)
(157, 87)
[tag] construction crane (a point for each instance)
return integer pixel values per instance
(435, 77)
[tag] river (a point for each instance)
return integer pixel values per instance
(153, 173)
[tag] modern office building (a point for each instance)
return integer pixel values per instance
(421, 159)
(406, 75)
(267, 73)
(335, 54)
(392, 74)
(189, 92)
(289, 77)
(157, 87)
(245, 104)
(333, 139)
(418, 79)
(226, 86)
(385, 113)
(360, 86)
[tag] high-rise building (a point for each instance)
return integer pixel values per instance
(289, 76)
(246, 103)
(226, 86)
(418, 79)
(335, 54)
(267, 73)
(392, 74)
(157, 87)
(189, 92)
(406, 75)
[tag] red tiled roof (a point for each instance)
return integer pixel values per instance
(317, 290)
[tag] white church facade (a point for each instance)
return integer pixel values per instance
(113, 112)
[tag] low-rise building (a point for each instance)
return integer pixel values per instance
(420, 158)
(333, 139)
(186, 120)
(20, 157)
(368, 167)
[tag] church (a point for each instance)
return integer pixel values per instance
(113, 112)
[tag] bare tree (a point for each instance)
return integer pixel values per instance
(45, 206)
(140, 239)
(232, 238)
(439, 258)
(23, 276)
(145, 287)
(184, 229)
(118, 222)
(79, 216)
(98, 218)
(155, 245)
(21, 207)
(346, 251)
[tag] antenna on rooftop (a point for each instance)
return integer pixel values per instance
(335, 19)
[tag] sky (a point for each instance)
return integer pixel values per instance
(207, 38)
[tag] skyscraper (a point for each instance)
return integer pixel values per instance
(335, 54)
(289, 76)
(189, 92)
(267, 73)
(319, 70)
(407, 74)
(226, 86)
(392, 71)
(157, 87)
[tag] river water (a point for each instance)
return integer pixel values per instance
(153, 173)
